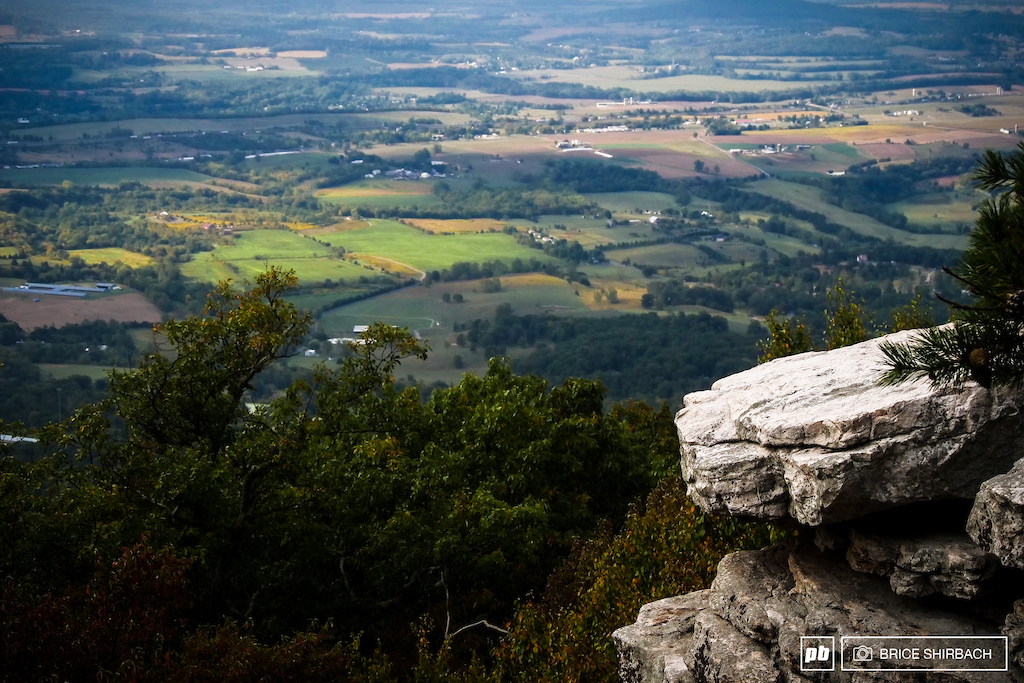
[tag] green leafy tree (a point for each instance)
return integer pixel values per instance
(666, 548)
(914, 316)
(347, 501)
(984, 343)
(846, 322)
(786, 337)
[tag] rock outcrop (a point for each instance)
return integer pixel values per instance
(910, 506)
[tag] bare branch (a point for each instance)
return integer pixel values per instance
(482, 622)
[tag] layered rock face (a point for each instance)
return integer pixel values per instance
(909, 505)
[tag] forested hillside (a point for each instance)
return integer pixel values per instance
(344, 512)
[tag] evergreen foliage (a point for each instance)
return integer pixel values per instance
(984, 343)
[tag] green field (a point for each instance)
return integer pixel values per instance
(102, 176)
(218, 75)
(941, 210)
(65, 370)
(627, 77)
(662, 256)
(842, 149)
(810, 198)
(381, 193)
(154, 126)
(252, 251)
(406, 245)
(590, 232)
(628, 202)
(422, 310)
(783, 244)
(392, 201)
(315, 159)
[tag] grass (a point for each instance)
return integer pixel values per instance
(627, 202)
(590, 232)
(406, 245)
(252, 251)
(422, 310)
(65, 370)
(217, 75)
(112, 255)
(627, 77)
(382, 193)
(101, 176)
(810, 198)
(153, 126)
(317, 298)
(662, 256)
(941, 210)
(377, 188)
(842, 149)
(782, 244)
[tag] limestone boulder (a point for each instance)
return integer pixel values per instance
(655, 648)
(996, 522)
(748, 626)
(942, 563)
(813, 437)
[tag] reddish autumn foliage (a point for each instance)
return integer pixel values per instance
(122, 624)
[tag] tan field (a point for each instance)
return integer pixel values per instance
(386, 264)
(244, 51)
(303, 54)
(457, 225)
(112, 255)
(530, 280)
(62, 310)
(628, 294)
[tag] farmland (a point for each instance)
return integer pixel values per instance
(287, 148)
(810, 198)
(376, 194)
(252, 251)
(112, 255)
(31, 312)
(405, 244)
(618, 197)
(108, 176)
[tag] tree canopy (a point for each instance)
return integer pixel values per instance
(346, 501)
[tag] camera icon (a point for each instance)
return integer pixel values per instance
(863, 653)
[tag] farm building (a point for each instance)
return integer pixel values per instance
(61, 290)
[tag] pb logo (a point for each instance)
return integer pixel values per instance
(817, 653)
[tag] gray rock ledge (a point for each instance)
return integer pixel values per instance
(996, 522)
(813, 437)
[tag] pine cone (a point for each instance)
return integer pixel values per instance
(1014, 306)
(977, 361)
